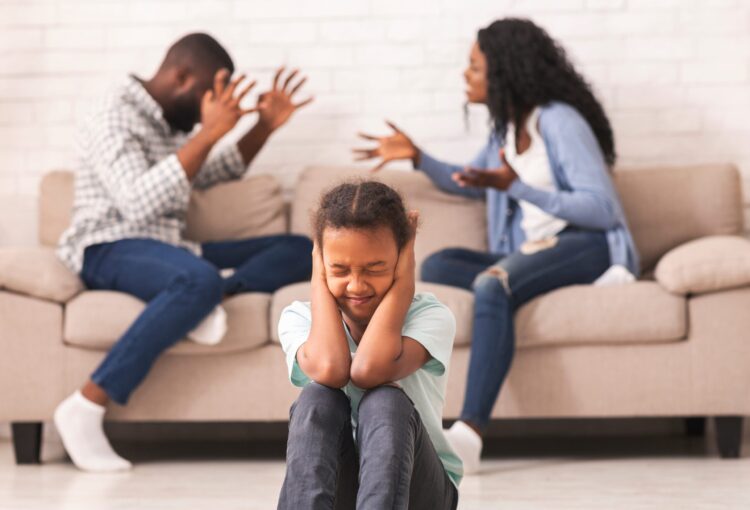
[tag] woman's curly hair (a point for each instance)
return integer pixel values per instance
(527, 68)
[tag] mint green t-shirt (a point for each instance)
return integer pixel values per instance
(430, 323)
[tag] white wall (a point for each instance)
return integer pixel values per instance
(674, 75)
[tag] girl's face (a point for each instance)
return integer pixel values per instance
(360, 266)
(476, 76)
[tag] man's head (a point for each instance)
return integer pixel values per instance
(186, 73)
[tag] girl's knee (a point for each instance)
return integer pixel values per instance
(317, 398)
(384, 398)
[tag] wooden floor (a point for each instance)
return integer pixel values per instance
(530, 473)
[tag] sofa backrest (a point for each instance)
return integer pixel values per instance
(234, 210)
(668, 206)
(665, 206)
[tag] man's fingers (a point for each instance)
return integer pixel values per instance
(220, 81)
(249, 110)
(304, 103)
(289, 79)
(297, 86)
(276, 77)
(206, 96)
(245, 90)
(229, 91)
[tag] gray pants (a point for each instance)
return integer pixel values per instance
(397, 466)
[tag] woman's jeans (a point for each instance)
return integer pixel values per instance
(393, 465)
(501, 285)
(181, 289)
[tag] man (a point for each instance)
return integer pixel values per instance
(138, 164)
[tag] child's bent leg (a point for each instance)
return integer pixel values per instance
(321, 465)
(399, 467)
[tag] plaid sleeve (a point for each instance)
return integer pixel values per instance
(227, 165)
(141, 191)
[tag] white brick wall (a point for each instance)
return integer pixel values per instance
(674, 75)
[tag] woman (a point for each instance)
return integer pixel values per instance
(554, 218)
(372, 358)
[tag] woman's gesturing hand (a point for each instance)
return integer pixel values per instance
(390, 148)
(498, 178)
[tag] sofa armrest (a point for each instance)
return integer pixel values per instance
(37, 272)
(706, 265)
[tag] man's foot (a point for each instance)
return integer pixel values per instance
(80, 424)
(212, 329)
(467, 444)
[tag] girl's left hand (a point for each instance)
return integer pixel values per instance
(406, 264)
(498, 178)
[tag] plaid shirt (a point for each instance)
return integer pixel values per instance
(129, 182)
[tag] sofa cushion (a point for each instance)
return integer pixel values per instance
(37, 272)
(237, 210)
(581, 314)
(706, 265)
(586, 314)
(252, 206)
(97, 319)
(460, 302)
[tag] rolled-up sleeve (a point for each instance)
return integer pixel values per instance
(227, 165)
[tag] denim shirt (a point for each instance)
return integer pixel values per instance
(585, 196)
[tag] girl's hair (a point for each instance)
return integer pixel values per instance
(362, 205)
(527, 68)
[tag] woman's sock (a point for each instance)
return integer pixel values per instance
(80, 424)
(467, 444)
(212, 329)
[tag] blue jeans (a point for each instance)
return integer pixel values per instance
(180, 289)
(392, 466)
(501, 285)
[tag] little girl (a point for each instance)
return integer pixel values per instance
(372, 358)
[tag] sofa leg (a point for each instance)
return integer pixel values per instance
(27, 441)
(728, 436)
(695, 426)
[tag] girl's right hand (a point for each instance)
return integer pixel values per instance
(390, 148)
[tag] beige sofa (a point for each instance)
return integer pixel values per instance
(676, 343)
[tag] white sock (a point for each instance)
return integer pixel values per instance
(212, 329)
(467, 444)
(80, 424)
(615, 275)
